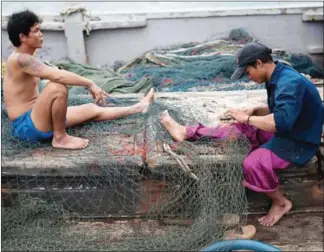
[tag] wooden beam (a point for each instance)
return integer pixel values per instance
(104, 153)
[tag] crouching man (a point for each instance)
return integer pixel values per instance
(287, 130)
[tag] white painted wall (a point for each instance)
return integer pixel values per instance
(106, 46)
(53, 8)
(284, 31)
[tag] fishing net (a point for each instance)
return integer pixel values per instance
(127, 191)
(206, 66)
(133, 188)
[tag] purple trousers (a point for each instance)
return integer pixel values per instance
(260, 165)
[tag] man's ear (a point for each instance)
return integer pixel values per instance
(259, 63)
(22, 37)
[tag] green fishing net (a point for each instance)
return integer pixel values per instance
(125, 191)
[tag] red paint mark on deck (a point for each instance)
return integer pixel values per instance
(151, 193)
(125, 148)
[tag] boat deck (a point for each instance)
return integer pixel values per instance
(91, 181)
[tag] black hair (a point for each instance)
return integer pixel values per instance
(21, 22)
(265, 58)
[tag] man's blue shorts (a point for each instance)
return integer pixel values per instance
(24, 129)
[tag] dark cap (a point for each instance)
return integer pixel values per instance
(248, 54)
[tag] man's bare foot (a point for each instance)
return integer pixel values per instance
(147, 100)
(70, 142)
(143, 105)
(176, 130)
(275, 213)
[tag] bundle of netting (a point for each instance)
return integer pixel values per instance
(132, 189)
(206, 66)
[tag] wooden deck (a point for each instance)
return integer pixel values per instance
(57, 162)
(88, 175)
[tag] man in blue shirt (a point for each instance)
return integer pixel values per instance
(287, 130)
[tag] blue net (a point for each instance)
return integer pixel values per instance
(205, 66)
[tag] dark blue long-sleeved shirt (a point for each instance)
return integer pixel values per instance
(297, 108)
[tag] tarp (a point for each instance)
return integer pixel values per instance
(105, 78)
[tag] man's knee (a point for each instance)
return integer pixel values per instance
(259, 160)
(91, 107)
(94, 108)
(250, 164)
(57, 88)
(254, 161)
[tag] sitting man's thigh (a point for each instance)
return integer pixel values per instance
(264, 159)
(41, 114)
(259, 169)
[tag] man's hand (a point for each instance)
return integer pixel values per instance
(249, 111)
(238, 114)
(97, 93)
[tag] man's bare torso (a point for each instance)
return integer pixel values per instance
(20, 89)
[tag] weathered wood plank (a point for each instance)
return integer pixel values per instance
(169, 163)
(298, 190)
(122, 195)
(294, 232)
(117, 195)
(113, 150)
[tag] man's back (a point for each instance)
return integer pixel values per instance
(297, 108)
(20, 89)
(309, 122)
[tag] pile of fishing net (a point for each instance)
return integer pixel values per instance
(206, 66)
(127, 191)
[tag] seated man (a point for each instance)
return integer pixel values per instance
(39, 116)
(287, 130)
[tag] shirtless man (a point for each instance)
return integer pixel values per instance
(287, 130)
(40, 116)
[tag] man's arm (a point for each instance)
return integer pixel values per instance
(288, 104)
(261, 111)
(34, 67)
(266, 123)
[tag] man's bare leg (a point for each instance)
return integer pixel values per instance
(60, 138)
(280, 206)
(49, 113)
(79, 114)
(176, 130)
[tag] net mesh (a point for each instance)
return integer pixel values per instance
(106, 198)
(206, 66)
(133, 188)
